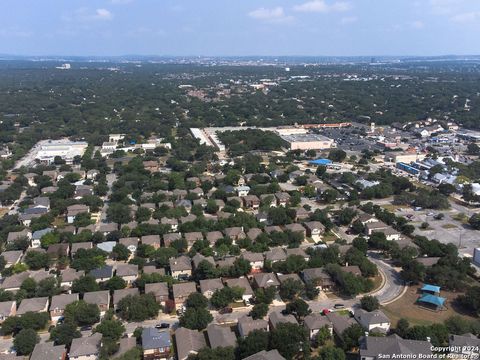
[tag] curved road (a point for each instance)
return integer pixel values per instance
(394, 285)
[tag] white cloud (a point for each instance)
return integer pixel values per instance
(86, 15)
(418, 24)
(467, 17)
(320, 6)
(348, 20)
(275, 15)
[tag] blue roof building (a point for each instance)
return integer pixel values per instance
(323, 162)
(434, 300)
(431, 288)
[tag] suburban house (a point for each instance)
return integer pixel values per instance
(315, 229)
(7, 309)
(86, 348)
(374, 348)
(181, 292)
(275, 254)
(188, 342)
(102, 274)
(266, 355)
(128, 272)
(130, 243)
(152, 240)
(466, 346)
(264, 280)
(68, 276)
(80, 245)
(276, 318)
(314, 322)
(181, 267)
(220, 336)
(49, 351)
(256, 260)
(243, 283)
(213, 236)
(246, 325)
(251, 202)
(296, 228)
(209, 286)
(235, 233)
(74, 210)
(100, 298)
(37, 305)
(319, 277)
(123, 293)
(156, 344)
(58, 304)
(159, 290)
(12, 257)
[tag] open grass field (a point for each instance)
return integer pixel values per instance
(406, 307)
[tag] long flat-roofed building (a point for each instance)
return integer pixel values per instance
(308, 142)
(64, 148)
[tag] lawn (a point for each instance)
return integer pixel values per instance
(406, 307)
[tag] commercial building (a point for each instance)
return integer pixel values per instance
(65, 149)
(308, 142)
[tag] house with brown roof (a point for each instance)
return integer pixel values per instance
(68, 276)
(235, 233)
(213, 237)
(171, 237)
(7, 309)
(264, 280)
(220, 336)
(59, 303)
(49, 351)
(12, 257)
(246, 325)
(209, 286)
(241, 282)
(256, 260)
(296, 228)
(275, 254)
(275, 318)
(314, 228)
(253, 233)
(86, 348)
(182, 291)
(319, 277)
(189, 342)
(131, 243)
(314, 322)
(36, 305)
(74, 210)
(251, 202)
(100, 298)
(152, 240)
(192, 237)
(180, 267)
(128, 272)
(159, 290)
(123, 293)
(80, 245)
(297, 252)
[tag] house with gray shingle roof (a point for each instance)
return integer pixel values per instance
(159, 290)
(49, 351)
(100, 298)
(314, 322)
(209, 286)
(188, 342)
(7, 309)
(86, 348)
(156, 344)
(58, 304)
(220, 336)
(37, 305)
(246, 325)
(123, 293)
(372, 346)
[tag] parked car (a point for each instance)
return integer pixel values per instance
(86, 328)
(162, 326)
(226, 310)
(339, 306)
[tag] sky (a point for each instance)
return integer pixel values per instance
(240, 27)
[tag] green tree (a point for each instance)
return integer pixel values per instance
(143, 214)
(36, 260)
(82, 313)
(265, 295)
(474, 221)
(259, 311)
(138, 307)
(331, 353)
(111, 329)
(253, 343)
(25, 341)
(120, 252)
(290, 339)
(337, 155)
(114, 283)
(299, 308)
(323, 336)
(350, 336)
(119, 213)
(290, 288)
(196, 318)
(63, 334)
(85, 284)
(471, 299)
(369, 303)
(196, 301)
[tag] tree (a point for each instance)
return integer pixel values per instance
(402, 327)
(222, 297)
(474, 221)
(323, 336)
(29, 320)
(85, 284)
(311, 291)
(240, 267)
(111, 329)
(211, 207)
(119, 213)
(290, 288)
(290, 339)
(369, 303)
(329, 196)
(321, 170)
(89, 259)
(196, 301)
(259, 311)
(331, 353)
(299, 308)
(36, 260)
(143, 214)
(265, 295)
(196, 318)
(82, 220)
(82, 313)
(138, 307)
(63, 334)
(346, 216)
(473, 149)
(25, 341)
(120, 252)
(471, 299)
(220, 353)
(350, 336)
(114, 283)
(337, 155)
(253, 343)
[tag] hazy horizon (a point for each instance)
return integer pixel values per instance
(252, 28)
